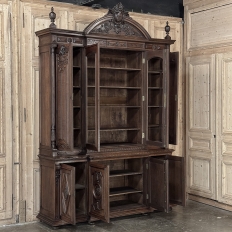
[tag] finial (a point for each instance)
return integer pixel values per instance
(52, 16)
(167, 29)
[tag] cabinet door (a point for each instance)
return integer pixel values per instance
(93, 97)
(176, 180)
(67, 194)
(156, 99)
(99, 191)
(173, 100)
(158, 184)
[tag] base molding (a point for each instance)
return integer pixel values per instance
(210, 202)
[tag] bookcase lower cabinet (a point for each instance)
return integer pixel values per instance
(104, 189)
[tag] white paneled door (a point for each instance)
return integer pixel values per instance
(224, 127)
(6, 159)
(201, 162)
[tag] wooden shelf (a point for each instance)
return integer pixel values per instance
(76, 107)
(155, 88)
(153, 125)
(120, 87)
(156, 72)
(76, 87)
(118, 69)
(79, 186)
(76, 67)
(155, 106)
(116, 173)
(116, 129)
(123, 191)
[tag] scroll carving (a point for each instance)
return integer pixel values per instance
(97, 191)
(62, 58)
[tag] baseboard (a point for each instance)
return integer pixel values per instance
(209, 202)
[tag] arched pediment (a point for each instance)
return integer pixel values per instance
(117, 22)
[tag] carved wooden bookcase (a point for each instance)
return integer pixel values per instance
(104, 122)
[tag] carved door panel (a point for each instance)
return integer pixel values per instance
(99, 191)
(67, 194)
(93, 97)
(64, 94)
(224, 128)
(200, 118)
(158, 184)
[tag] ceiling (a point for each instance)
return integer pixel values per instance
(172, 8)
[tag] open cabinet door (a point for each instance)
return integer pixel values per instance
(173, 98)
(99, 191)
(93, 97)
(176, 180)
(67, 194)
(157, 98)
(158, 184)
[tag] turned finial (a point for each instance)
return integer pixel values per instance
(52, 16)
(167, 30)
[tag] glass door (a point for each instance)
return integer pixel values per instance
(156, 104)
(93, 104)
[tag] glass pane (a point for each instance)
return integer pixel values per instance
(76, 97)
(91, 98)
(155, 100)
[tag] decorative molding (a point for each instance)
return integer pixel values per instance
(2, 188)
(1, 37)
(36, 191)
(62, 57)
(2, 112)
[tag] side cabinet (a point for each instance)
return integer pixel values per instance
(166, 183)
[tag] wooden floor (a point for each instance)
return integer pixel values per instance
(195, 217)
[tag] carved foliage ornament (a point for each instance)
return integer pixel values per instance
(62, 58)
(97, 191)
(117, 24)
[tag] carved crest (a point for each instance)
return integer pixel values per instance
(117, 21)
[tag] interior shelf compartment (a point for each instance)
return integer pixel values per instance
(76, 67)
(116, 173)
(123, 190)
(124, 205)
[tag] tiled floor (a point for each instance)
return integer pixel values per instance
(192, 218)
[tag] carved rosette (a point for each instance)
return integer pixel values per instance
(65, 196)
(97, 191)
(117, 23)
(62, 57)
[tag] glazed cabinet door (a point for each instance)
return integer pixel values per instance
(156, 103)
(93, 96)
(67, 194)
(99, 191)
